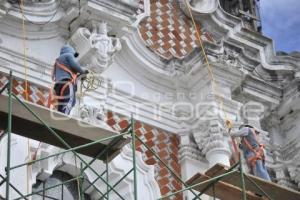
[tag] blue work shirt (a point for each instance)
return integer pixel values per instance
(67, 59)
(250, 137)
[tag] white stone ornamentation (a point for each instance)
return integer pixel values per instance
(106, 46)
(211, 141)
(117, 168)
(293, 165)
(91, 108)
(199, 6)
(91, 114)
(96, 49)
(229, 57)
(147, 188)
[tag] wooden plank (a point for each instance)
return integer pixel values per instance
(74, 131)
(215, 170)
(221, 189)
(275, 191)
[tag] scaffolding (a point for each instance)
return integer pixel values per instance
(213, 184)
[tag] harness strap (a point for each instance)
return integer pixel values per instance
(63, 67)
(259, 153)
(52, 97)
(64, 88)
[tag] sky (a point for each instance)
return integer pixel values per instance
(281, 22)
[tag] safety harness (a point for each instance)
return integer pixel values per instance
(53, 98)
(258, 152)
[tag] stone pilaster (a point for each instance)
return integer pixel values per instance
(191, 160)
(213, 143)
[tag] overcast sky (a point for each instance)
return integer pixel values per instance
(281, 22)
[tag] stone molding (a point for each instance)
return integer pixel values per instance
(117, 169)
(201, 7)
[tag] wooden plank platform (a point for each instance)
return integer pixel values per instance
(275, 191)
(74, 131)
(222, 190)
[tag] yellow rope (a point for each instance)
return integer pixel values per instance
(24, 49)
(29, 169)
(215, 88)
(90, 83)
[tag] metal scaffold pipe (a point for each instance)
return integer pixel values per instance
(9, 134)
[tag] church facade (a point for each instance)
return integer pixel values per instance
(180, 68)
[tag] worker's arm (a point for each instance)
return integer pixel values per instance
(75, 65)
(240, 133)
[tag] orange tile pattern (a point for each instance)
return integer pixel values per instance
(168, 32)
(165, 145)
(35, 94)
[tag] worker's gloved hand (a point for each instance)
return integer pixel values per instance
(229, 124)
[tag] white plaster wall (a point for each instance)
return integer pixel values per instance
(19, 155)
(38, 49)
(3, 161)
(190, 167)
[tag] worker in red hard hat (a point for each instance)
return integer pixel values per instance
(253, 150)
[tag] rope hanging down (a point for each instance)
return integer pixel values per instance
(24, 49)
(90, 83)
(21, 4)
(215, 89)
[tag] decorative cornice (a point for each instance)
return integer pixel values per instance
(258, 90)
(255, 44)
(123, 15)
(39, 71)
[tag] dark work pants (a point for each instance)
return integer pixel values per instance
(67, 101)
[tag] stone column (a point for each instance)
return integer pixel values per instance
(191, 160)
(212, 142)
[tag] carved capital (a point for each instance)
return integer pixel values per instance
(188, 148)
(211, 141)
